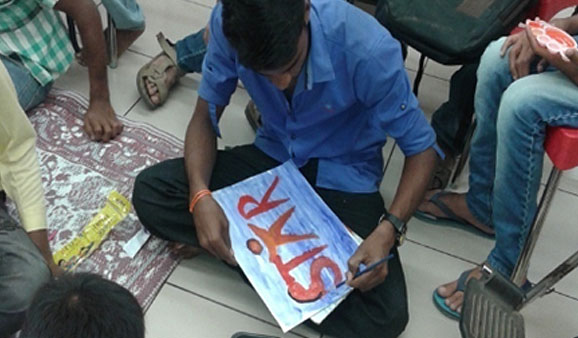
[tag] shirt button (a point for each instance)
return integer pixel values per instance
(293, 137)
(403, 107)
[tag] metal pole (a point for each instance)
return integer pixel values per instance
(520, 271)
(552, 278)
(112, 44)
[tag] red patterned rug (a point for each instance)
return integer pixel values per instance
(79, 174)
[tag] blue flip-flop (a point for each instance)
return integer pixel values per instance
(451, 218)
(440, 302)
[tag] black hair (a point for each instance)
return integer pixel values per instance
(265, 33)
(83, 305)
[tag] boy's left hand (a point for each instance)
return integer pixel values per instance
(570, 69)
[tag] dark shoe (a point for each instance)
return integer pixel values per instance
(443, 173)
(253, 115)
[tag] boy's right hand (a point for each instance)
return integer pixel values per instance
(213, 229)
(521, 54)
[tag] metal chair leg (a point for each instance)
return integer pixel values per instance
(520, 271)
(419, 75)
(463, 159)
(112, 43)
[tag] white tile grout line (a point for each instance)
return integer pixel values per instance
(132, 107)
(229, 307)
(198, 3)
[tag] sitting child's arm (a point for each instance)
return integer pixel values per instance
(569, 25)
(100, 121)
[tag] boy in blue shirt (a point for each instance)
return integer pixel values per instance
(330, 84)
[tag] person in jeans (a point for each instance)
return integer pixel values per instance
(517, 97)
(36, 50)
(25, 257)
(330, 84)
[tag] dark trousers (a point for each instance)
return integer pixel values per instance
(160, 200)
(452, 119)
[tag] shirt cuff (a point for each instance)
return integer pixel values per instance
(33, 219)
(214, 120)
(439, 151)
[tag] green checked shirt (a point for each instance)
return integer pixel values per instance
(32, 31)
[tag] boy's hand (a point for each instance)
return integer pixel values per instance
(570, 69)
(101, 123)
(374, 248)
(521, 54)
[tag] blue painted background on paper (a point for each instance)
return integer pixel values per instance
(311, 215)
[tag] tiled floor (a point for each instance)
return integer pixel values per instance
(204, 299)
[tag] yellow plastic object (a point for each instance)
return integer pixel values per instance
(74, 252)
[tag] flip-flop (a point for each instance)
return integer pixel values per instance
(156, 72)
(253, 115)
(440, 302)
(451, 220)
(441, 178)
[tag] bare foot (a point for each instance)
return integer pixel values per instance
(456, 203)
(453, 298)
(185, 251)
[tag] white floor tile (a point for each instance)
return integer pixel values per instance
(121, 81)
(204, 3)
(173, 117)
(432, 68)
(177, 313)
(211, 278)
(432, 92)
(175, 114)
(425, 270)
(551, 316)
(175, 18)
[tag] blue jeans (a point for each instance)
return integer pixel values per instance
(30, 92)
(22, 272)
(191, 52)
(508, 148)
(126, 14)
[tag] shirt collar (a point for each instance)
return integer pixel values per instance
(319, 65)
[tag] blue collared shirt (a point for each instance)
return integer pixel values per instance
(351, 94)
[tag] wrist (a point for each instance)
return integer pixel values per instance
(563, 24)
(399, 227)
(386, 231)
(197, 197)
(99, 92)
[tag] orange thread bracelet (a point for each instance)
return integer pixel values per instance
(197, 198)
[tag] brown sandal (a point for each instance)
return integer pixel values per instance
(157, 72)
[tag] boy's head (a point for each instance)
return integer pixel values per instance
(270, 36)
(83, 305)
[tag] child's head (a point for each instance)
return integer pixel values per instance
(270, 36)
(83, 305)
